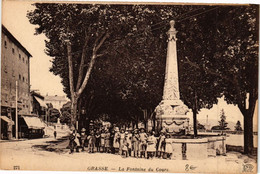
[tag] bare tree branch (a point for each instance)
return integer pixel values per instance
(91, 64)
(96, 40)
(82, 62)
(101, 42)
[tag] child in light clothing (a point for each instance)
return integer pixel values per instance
(107, 143)
(91, 142)
(135, 143)
(125, 146)
(129, 142)
(121, 142)
(151, 145)
(168, 147)
(143, 142)
(102, 141)
(116, 140)
(161, 145)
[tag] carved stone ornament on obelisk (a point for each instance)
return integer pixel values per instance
(171, 111)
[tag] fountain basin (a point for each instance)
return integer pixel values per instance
(201, 147)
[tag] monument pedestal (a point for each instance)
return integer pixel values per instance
(171, 117)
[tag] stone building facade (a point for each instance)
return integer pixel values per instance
(15, 66)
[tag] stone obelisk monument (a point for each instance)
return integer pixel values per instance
(171, 112)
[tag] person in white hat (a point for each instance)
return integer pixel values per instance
(122, 137)
(143, 142)
(124, 145)
(91, 142)
(135, 143)
(161, 144)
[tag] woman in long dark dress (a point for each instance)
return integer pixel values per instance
(111, 139)
(72, 143)
(98, 141)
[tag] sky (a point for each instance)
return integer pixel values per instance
(15, 20)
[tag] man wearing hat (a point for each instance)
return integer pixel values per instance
(72, 143)
(83, 138)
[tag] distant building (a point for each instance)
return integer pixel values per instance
(56, 101)
(39, 106)
(15, 67)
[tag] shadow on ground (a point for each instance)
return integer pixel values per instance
(59, 145)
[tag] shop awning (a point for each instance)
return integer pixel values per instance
(33, 122)
(40, 101)
(8, 120)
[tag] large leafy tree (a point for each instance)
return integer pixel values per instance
(229, 54)
(79, 31)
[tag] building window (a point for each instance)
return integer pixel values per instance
(23, 59)
(23, 79)
(13, 74)
(5, 68)
(20, 76)
(5, 44)
(13, 50)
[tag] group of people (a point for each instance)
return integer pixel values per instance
(136, 143)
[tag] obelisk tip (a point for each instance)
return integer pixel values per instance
(172, 22)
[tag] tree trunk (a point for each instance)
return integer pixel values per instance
(194, 110)
(79, 114)
(248, 123)
(195, 122)
(145, 120)
(154, 121)
(248, 134)
(74, 104)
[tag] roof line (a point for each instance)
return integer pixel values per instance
(4, 29)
